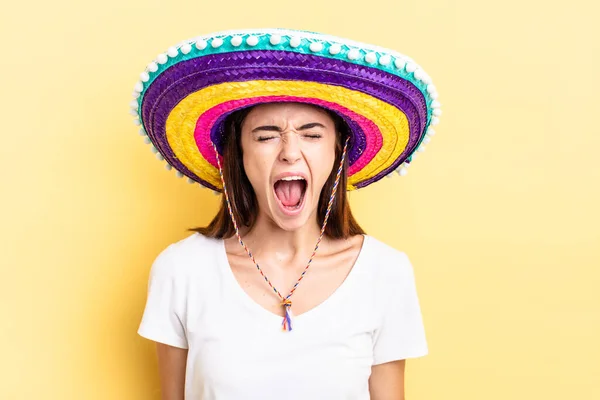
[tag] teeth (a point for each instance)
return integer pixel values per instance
(292, 178)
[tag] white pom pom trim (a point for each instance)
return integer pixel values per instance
(133, 112)
(435, 120)
(138, 87)
(410, 67)
(236, 41)
(252, 41)
(152, 67)
(371, 58)
(216, 42)
(437, 112)
(190, 181)
(419, 75)
(201, 44)
(275, 40)
(399, 63)
(385, 59)
(335, 49)
(168, 167)
(162, 58)
(147, 140)
(172, 52)
(295, 41)
(186, 48)
(315, 47)
(353, 54)
(144, 76)
(179, 174)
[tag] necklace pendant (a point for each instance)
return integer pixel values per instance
(286, 325)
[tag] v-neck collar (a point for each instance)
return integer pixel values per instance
(237, 291)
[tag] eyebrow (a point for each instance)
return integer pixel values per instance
(278, 129)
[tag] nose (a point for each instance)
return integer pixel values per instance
(290, 148)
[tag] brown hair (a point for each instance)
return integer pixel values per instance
(341, 223)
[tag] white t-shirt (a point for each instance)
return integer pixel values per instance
(237, 349)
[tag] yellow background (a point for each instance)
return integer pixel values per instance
(499, 216)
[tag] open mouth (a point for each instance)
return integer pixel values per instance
(290, 192)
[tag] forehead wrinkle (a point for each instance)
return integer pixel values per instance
(287, 111)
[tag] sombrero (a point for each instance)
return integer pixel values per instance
(184, 96)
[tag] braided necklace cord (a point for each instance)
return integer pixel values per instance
(285, 301)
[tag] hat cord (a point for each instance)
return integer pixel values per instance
(286, 325)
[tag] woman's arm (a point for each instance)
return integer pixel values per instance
(387, 381)
(171, 369)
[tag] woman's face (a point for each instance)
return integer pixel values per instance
(288, 154)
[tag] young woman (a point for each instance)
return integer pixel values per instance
(283, 295)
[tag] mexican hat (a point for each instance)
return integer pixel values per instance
(184, 96)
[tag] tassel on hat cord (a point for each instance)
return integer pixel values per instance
(286, 325)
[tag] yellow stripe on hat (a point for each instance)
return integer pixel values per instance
(181, 122)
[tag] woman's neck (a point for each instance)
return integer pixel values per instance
(267, 238)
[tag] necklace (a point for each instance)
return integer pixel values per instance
(286, 302)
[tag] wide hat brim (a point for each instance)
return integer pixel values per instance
(184, 96)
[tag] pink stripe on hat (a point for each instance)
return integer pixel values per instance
(206, 121)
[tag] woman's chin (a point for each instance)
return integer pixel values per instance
(291, 226)
(289, 222)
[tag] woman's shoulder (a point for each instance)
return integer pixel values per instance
(385, 260)
(190, 246)
(187, 255)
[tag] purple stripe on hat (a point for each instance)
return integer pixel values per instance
(186, 77)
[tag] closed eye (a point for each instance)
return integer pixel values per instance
(264, 138)
(313, 135)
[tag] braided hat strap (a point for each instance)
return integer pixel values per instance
(285, 301)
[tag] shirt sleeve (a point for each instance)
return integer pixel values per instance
(164, 316)
(401, 333)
